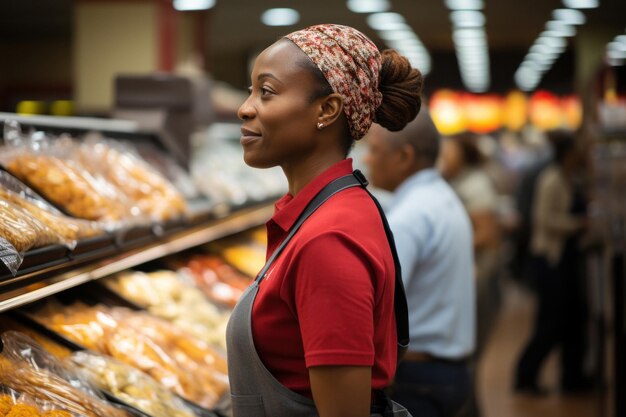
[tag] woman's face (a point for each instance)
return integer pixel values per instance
(279, 118)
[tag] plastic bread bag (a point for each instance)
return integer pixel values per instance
(88, 326)
(201, 371)
(43, 385)
(182, 363)
(46, 165)
(130, 385)
(14, 404)
(145, 186)
(68, 228)
(168, 167)
(21, 349)
(9, 256)
(22, 230)
(168, 295)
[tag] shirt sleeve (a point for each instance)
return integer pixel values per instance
(334, 301)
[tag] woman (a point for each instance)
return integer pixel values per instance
(315, 336)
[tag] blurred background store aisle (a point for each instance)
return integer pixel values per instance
(496, 368)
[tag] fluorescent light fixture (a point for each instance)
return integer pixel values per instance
(188, 5)
(581, 4)
(464, 4)
(396, 35)
(467, 18)
(554, 43)
(385, 21)
(561, 28)
(280, 17)
(621, 39)
(368, 6)
(615, 54)
(569, 16)
(616, 46)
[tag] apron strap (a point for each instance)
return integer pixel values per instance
(356, 179)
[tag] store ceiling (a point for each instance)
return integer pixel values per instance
(235, 28)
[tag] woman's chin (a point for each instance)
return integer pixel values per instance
(254, 161)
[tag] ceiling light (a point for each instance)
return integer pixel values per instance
(187, 5)
(569, 16)
(396, 35)
(467, 18)
(615, 54)
(280, 17)
(561, 28)
(621, 39)
(464, 4)
(385, 21)
(368, 6)
(581, 4)
(616, 46)
(554, 43)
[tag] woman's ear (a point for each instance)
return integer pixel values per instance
(331, 108)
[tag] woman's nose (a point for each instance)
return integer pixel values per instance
(246, 110)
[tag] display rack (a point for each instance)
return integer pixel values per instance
(45, 282)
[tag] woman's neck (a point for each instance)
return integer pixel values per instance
(300, 174)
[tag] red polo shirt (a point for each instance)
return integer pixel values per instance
(328, 298)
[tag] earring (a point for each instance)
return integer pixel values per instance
(320, 125)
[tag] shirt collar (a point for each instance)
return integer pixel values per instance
(288, 208)
(423, 176)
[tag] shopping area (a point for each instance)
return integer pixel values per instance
(130, 224)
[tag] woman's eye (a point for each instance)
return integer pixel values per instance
(265, 91)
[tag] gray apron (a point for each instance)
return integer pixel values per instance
(254, 390)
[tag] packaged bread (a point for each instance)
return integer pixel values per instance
(15, 404)
(22, 230)
(130, 385)
(27, 368)
(67, 184)
(68, 228)
(168, 295)
(184, 364)
(124, 168)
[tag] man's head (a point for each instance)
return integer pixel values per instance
(392, 157)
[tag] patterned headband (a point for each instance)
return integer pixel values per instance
(350, 63)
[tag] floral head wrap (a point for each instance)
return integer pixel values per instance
(350, 63)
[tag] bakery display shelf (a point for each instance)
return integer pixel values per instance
(54, 278)
(92, 295)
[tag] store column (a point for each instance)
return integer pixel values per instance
(112, 37)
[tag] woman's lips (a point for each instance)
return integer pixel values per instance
(248, 136)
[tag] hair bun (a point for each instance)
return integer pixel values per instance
(401, 87)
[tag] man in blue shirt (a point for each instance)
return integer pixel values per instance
(433, 237)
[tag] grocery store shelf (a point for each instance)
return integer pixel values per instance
(57, 278)
(86, 123)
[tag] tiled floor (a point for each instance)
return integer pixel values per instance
(495, 371)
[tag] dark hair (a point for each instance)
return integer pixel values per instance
(468, 145)
(401, 86)
(562, 142)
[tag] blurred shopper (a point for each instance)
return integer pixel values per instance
(314, 334)
(434, 241)
(558, 222)
(462, 164)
